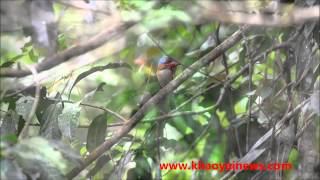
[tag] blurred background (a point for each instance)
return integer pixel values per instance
(73, 72)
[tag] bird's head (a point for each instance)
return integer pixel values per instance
(166, 62)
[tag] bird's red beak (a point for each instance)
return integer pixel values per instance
(176, 63)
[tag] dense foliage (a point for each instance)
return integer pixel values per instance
(77, 75)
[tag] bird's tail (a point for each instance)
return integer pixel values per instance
(163, 109)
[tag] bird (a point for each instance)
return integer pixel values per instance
(165, 73)
(166, 70)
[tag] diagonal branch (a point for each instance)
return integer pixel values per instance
(257, 149)
(126, 128)
(67, 54)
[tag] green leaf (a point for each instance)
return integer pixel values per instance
(44, 103)
(293, 157)
(9, 123)
(27, 47)
(242, 55)
(11, 61)
(33, 57)
(62, 43)
(24, 105)
(68, 120)
(16, 57)
(49, 123)
(241, 106)
(83, 151)
(96, 132)
(11, 138)
(7, 64)
(169, 143)
(172, 133)
(223, 119)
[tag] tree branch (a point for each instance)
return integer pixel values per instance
(126, 128)
(236, 13)
(24, 131)
(257, 149)
(67, 54)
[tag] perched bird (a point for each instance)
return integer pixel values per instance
(165, 72)
(166, 69)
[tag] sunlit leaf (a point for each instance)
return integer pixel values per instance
(33, 56)
(83, 151)
(68, 120)
(241, 106)
(223, 119)
(11, 61)
(171, 132)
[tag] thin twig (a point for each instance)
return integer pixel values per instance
(250, 97)
(229, 81)
(24, 131)
(96, 107)
(307, 122)
(164, 52)
(266, 136)
(203, 91)
(107, 110)
(224, 57)
(205, 131)
(85, 126)
(66, 55)
(218, 103)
